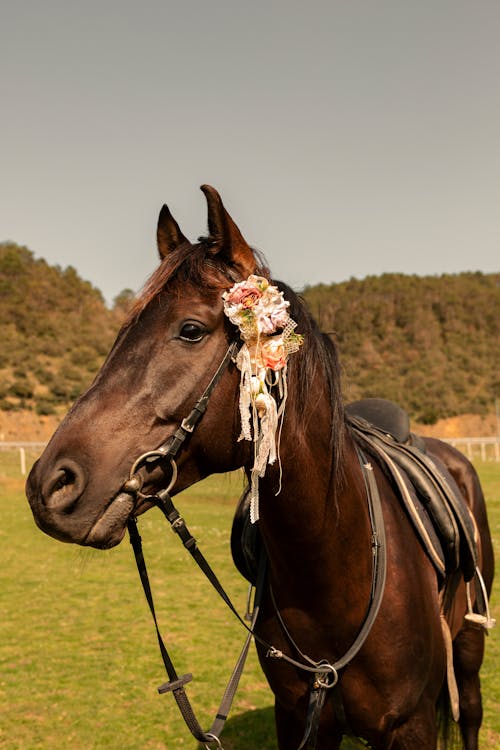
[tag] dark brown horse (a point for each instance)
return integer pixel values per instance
(316, 531)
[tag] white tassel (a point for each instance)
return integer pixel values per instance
(260, 415)
(244, 363)
(259, 310)
(254, 498)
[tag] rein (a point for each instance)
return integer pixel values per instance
(324, 674)
(175, 685)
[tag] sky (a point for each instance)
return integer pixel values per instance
(346, 138)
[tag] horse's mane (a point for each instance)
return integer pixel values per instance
(200, 266)
(318, 352)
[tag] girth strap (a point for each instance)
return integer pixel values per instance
(320, 687)
(317, 697)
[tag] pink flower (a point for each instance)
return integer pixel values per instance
(272, 353)
(265, 324)
(280, 316)
(245, 294)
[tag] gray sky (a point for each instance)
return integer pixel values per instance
(346, 138)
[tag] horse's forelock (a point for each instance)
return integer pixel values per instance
(195, 265)
(200, 265)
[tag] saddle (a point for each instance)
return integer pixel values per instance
(428, 493)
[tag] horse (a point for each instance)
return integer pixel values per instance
(314, 520)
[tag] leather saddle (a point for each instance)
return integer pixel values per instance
(428, 492)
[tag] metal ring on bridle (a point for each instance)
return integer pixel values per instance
(148, 457)
(214, 738)
(328, 672)
(134, 477)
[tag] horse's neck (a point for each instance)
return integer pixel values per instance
(302, 501)
(317, 531)
(318, 539)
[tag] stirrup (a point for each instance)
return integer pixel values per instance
(485, 620)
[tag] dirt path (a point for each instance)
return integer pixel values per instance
(26, 426)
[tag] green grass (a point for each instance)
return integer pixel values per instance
(489, 474)
(79, 663)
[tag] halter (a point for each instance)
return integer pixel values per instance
(324, 675)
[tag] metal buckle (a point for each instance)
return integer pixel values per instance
(177, 523)
(186, 426)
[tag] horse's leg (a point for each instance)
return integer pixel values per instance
(418, 731)
(468, 649)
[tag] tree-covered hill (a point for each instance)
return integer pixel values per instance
(430, 343)
(55, 331)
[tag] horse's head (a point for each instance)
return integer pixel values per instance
(162, 360)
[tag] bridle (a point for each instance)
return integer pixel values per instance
(325, 675)
(170, 448)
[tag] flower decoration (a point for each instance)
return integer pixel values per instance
(260, 311)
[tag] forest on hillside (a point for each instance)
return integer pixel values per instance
(55, 330)
(429, 343)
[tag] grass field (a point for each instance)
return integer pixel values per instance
(79, 663)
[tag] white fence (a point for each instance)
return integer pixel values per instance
(483, 448)
(32, 447)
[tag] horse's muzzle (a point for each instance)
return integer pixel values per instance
(58, 502)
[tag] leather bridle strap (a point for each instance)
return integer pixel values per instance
(170, 448)
(189, 423)
(176, 683)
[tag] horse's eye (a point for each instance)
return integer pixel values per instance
(191, 332)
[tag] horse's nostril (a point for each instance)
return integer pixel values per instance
(66, 477)
(64, 486)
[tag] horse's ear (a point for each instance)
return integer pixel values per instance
(168, 234)
(227, 237)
